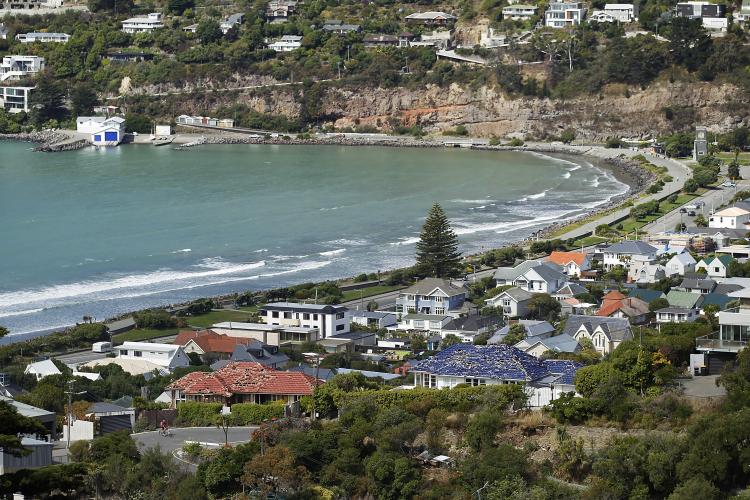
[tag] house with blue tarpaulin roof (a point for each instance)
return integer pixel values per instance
(475, 365)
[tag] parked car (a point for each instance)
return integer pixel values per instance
(729, 184)
(683, 210)
(691, 213)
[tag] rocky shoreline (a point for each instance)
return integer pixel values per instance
(48, 141)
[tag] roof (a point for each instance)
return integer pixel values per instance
(547, 273)
(500, 362)
(426, 317)
(727, 288)
(683, 258)
(295, 306)
(571, 289)
(613, 295)
(244, 377)
(511, 273)
(430, 15)
(565, 368)
(132, 366)
(533, 329)
(380, 38)
(515, 293)
(631, 247)
(210, 341)
(558, 343)
(27, 410)
(698, 283)
(646, 294)
(617, 328)
(370, 374)
(259, 327)
(473, 323)
(428, 285)
(372, 314)
(43, 368)
(731, 212)
(105, 408)
(322, 373)
(148, 346)
(629, 306)
(562, 258)
(716, 299)
(679, 298)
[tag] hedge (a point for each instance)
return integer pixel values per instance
(197, 414)
(253, 414)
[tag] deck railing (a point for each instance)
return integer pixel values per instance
(714, 342)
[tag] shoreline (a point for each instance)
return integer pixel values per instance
(625, 171)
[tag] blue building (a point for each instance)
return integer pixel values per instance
(102, 131)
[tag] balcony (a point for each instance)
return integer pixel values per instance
(714, 342)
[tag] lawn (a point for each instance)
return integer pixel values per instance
(143, 334)
(208, 319)
(727, 157)
(368, 292)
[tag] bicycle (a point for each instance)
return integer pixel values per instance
(166, 432)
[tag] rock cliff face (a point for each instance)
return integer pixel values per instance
(617, 111)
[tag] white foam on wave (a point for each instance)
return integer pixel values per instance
(474, 201)
(110, 285)
(595, 182)
(329, 253)
(184, 250)
(347, 242)
(328, 209)
(261, 250)
(553, 159)
(567, 175)
(20, 313)
(405, 241)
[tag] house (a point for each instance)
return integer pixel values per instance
(17, 67)
(15, 5)
(286, 43)
(42, 37)
(513, 301)
(686, 300)
(572, 263)
(719, 300)
(616, 305)
(605, 333)
(16, 99)
(438, 39)
(648, 273)
(231, 21)
(358, 339)
(468, 327)
(39, 455)
(646, 294)
(242, 382)
(147, 24)
(519, 12)
(47, 418)
(191, 28)
(676, 315)
(733, 335)
(327, 319)
(373, 319)
(742, 16)
(534, 328)
(394, 343)
(730, 218)
(278, 11)
(680, 263)
(276, 335)
(716, 266)
(569, 291)
(340, 28)
(423, 322)
(257, 352)
(563, 14)
(541, 279)
(537, 346)
(493, 365)
(431, 18)
(167, 356)
(508, 275)
(620, 254)
(41, 369)
(129, 56)
(102, 131)
(572, 305)
(697, 10)
(432, 296)
(108, 417)
(372, 41)
(698, 285)
(614, 12)
(211, 346)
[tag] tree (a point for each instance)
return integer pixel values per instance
(209, 31)
(274, 472)
(178, 7)
(83, 99)
(733, 170)
(543, 307)
(135, 122)
(450, 340)
(12, 424)
(47, 100)
(3, 331)
(657, 304)
(481, 430)
(516, 333)
(437, 248)
(690, 186)
(700, 221)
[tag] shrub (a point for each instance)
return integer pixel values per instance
(197, 414)
(192, 449)
(569, 409)
(254, 414)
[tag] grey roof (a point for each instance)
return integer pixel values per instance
(105, 408)
(547, 273)
(250, 352)
(371, 314)
(517, 294)
(631, 247)
(322, 373)
(511, 273)
(617, 328)
(684, 258)
(353, 335)
(473, 323)
(675, 310)
(426, 317)
(698, 283)
(718, 299)
(125, 402)
(370, 374)
(726, 288)
(558, 343)
(114, 326)
(684, 299)
(646, 294)
(27, 410)
(296, 306)
(235, 18)
(571, 289)
(534, 328)
(732, 233)
(428, 285)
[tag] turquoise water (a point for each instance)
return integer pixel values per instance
(103, 231)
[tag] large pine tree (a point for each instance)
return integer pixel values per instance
(437, 248)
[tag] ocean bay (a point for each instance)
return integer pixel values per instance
(103, 231)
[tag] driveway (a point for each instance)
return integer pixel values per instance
(209, 437)
(703, 387)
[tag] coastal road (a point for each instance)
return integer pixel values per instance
(676, 169)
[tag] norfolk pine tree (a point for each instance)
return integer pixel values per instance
(437, 248)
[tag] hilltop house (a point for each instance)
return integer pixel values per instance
(242, 382)
(519, 11)
(564, 14)
(16, 99)
(541, 279)
(372, 41)
(431, 18)
(614, 12)
(680, 263)
(716, 266)
(231, 21)
(17, 67)
(676, 315)
(340, 28)
(544, 381)
(513, 301)
(623, 252)
(507, 275)
(42, 37)
(730, 218)
(605, 333)
(327, 319)
(698, 285)
(286, 43)
(537, 346)
(278, 11)
(572, 263)
(147, 24)
(433, 296)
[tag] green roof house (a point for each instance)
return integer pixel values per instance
(716, 266)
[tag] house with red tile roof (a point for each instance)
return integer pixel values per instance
(209, 343)
(617, 305)
(242, 382)
(572, 263)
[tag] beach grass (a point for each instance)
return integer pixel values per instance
(140, 334)
(213, 317)
(368, 292)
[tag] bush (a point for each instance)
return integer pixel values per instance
(254, 414)
(192, 449)
(157, 318)
(569, 409)
(197, 414)
(516, 142)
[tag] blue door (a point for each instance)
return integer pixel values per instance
(110, 136)
(97, 138)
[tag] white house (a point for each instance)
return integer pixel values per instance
(730, 218)
(572, 263)
(166, 356)
(327, 319)
(42, 37)
(42, 369)
(537, 346)
(373, 319)
(424, 322)
(231, 21)
(286, 43)
(513, 301)
(15, 99)
(676, 315)
(541, 279)
(620, 254)
(143, 24)
(605, 333)
(614, 12)
(716, 267)
(17, 67)
(102, 131)
(562, 14)
(519, 11)
(680, 263)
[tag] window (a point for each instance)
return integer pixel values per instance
(339, 327)
(263, 312)
(275, 314)
(716, 269)
(306, 316)
(340, 315)
(438, 299)
(418, 324)
(433, 381)
(506, 302)
(440, 310)
(411, 309)
(137, 354)
(287, 315)
(434, 324)
(124, 352)
(315, 317)
(474, 382)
